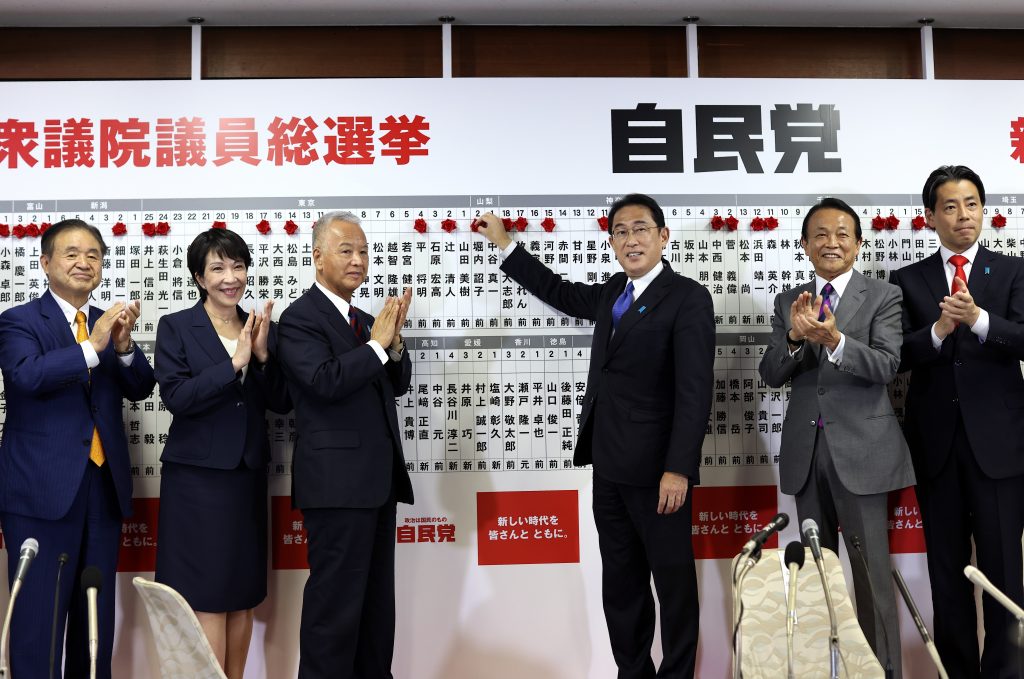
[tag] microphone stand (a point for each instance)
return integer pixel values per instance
(61, 560)
(833, 635)
(978, 578)
(15, 588)
(737, 610)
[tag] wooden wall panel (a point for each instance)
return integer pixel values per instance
(322, 52)
(742, 52)
(965, 54)
(568, 51)
(95, 53)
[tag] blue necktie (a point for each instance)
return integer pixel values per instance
(623, 303)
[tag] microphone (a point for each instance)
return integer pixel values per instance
(809, 528)
(978, 578)
(29, 549)
(795, 555)
(61, 560)
(919, 621)
(855, 541)
(774, 526)
(92, 583)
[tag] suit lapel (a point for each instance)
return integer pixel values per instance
(204, 333)
(642, 306)
(56, 321)
(934, 271)
(981, 274)
(852, 299)
(333, 316)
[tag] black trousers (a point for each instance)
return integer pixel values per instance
(637, 543)
(958, 503)
(348, 605)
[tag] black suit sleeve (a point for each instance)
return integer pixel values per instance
(573, 299)
(693, 346)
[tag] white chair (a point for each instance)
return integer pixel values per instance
(181, 645)
(763, 628)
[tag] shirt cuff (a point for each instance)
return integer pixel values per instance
(936, 342)
(379, 350)
(507, 250)
(980, 327)
(836, 356)
(91, 358)
(126, 361)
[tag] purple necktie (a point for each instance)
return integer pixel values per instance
(623, 303)
(826, 301)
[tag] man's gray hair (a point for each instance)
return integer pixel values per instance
(327, 218)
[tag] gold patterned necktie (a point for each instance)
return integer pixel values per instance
(96, 449)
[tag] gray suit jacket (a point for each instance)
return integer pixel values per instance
(867, 445)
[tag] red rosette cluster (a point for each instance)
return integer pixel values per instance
(757, 224)
(449, 225)
(18, 231)
(263, 227)
(998, 221)
(162, 228)
(420, 225)
(731, 223)
(44, 227)
(717, 223)
(149, 229)
(219, 225)
(290, 227)
(119, 229)
(5, 230)
(770, 223)
(548, 224)
(918, 222)
(521, 224)
(892, 222)
(603, 223)
(509, 224)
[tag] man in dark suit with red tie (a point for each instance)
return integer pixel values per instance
(963, 340)
(65, 476)
(643, 422)
(344, 370)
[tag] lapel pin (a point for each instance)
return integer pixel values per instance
(987, 270)
(641, 309)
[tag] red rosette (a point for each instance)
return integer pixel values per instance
(603, 223)
(998, 221)
(717, 223)
(771, 223)
(509, 224)
(163, 228)
(892, 222)
(878, 223)
(548, 224)
(449, 225)
(521, 224)
(18, 231)
(219, 225)
(731, 223)
(32, 230)
(918, 222)
(757, 224)
(119, 229)
(149, 228)
(420, 225)
(290, 227)
(474, 225)
(263, 227)
(44, 227)
(5, 230)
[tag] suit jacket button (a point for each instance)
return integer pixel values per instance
(955, 400)
(958, 363)
(814, 423)
(821, 391)
(87, 442)
(238, 405)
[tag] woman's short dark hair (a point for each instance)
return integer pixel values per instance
(641, 200)
(832, 204)
(223, 242)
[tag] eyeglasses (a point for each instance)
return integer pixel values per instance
(638, 232)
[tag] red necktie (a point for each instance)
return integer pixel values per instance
(357, 326)
(958, 261)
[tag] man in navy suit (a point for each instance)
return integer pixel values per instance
(643, 421)
(64, 464)
(963, 340)
(344, 370)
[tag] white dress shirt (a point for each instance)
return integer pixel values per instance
(92, 359)
(980, 327)
(343, 308)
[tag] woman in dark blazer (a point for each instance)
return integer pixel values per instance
(218, 375)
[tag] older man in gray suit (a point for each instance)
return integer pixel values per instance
(838, 340)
